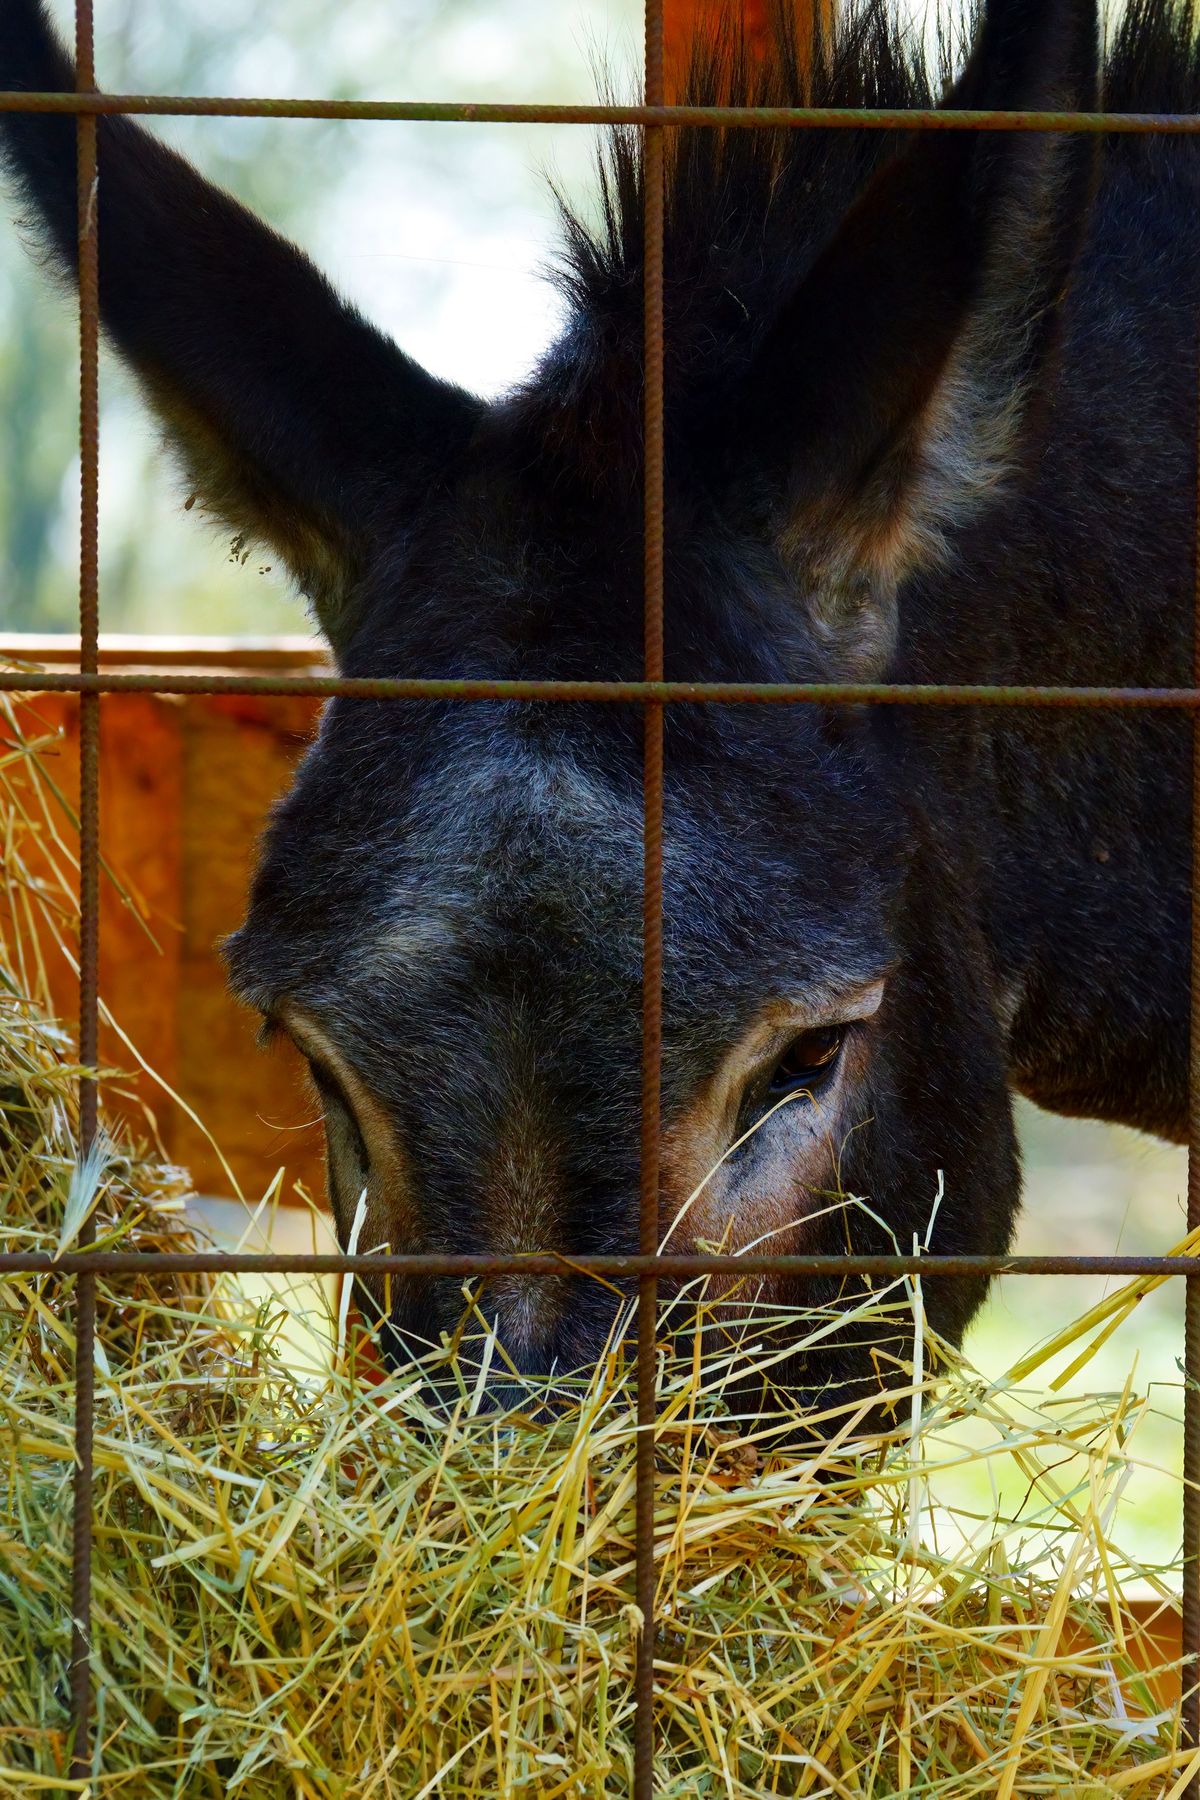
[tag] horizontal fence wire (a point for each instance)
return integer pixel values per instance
(652, 694)
(470, 112)
(559, 1263)
(623, 693)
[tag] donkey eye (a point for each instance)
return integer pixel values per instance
(808, 1060)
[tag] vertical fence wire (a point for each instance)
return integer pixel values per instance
(89, 868)
(652, 858)
(1190, 1598)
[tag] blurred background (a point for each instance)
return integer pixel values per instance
(442, 234)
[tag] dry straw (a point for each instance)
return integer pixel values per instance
(309, 1585)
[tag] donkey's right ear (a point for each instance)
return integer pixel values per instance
(891, 397)
(298, 424)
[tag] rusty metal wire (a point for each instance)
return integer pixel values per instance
(652, 694)
(555, 1262)
(624, 693)
(1190, 1599)
(653, 512)
(86, 176)
(469, 112)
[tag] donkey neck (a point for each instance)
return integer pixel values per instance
(1076, 825)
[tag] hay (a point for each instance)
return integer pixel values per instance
(309, 1586)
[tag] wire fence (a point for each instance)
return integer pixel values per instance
(653, 694)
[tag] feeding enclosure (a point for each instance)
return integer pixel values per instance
(272, 1588)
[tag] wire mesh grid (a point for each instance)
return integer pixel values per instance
(653, 693)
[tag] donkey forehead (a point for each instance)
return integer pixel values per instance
(504, 849)
(514, 869)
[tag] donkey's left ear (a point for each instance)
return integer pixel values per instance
(298, 424)
(888, 402)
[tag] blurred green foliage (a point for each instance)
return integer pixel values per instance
(1096, 1190)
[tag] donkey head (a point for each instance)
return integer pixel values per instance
(447, 913)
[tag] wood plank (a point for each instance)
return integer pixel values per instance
(240, 655)
(140, 803)
(683, 19)
(185, 787)
(239, 754)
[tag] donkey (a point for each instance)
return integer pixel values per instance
(930, 417)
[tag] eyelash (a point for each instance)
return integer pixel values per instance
(768, 1088)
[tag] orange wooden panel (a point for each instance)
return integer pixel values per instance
(140, 787)
(185, 787)
(141, 797)
(1159, 1646)
(683, 19)
(238, 756)
(1154, 1633)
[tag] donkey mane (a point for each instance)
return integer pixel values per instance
(749, 210)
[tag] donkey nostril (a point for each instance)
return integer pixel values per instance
(523, 1341)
